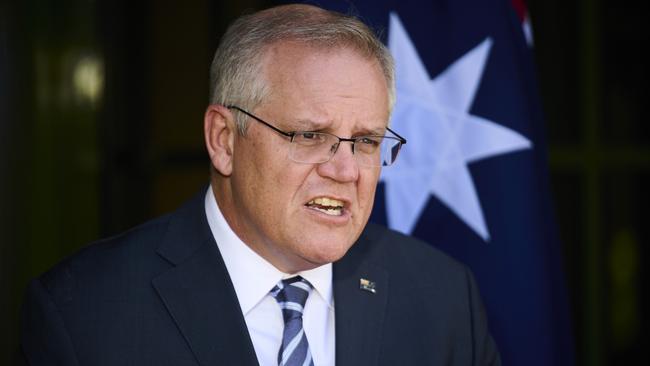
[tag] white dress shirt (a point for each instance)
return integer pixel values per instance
(253, 277)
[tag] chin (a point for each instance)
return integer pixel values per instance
(328, 253)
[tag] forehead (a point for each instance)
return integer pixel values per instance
(321, 84)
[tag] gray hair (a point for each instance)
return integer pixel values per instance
(238, 62)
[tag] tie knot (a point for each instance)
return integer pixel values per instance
(292, 294)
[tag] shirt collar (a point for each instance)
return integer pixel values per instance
(252, 276)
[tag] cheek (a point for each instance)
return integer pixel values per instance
(276, 184)
(252, 178)
(256, 164)
(367, 186)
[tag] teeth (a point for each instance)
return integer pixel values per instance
(325, 201)
(330, 211)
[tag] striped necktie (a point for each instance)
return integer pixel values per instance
(291, 294)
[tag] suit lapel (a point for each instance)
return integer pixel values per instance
(359, 312)
(201, 299)
(198, 292)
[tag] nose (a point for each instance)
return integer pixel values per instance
(342, 166)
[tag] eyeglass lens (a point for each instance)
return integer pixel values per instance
(314, 147)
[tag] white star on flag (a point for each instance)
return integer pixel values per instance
(443, 137)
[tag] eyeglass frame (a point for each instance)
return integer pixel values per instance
(292, 134)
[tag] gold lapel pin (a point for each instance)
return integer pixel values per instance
(367, 285)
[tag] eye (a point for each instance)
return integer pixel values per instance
(307, 135)
(307, 138)
(369, 140)
(367, 144)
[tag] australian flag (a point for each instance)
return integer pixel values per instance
(473, 178)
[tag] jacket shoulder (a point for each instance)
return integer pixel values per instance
(416, 261)
(112, 263)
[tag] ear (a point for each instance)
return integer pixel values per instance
(219, 129)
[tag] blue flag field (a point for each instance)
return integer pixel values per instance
(472, 179)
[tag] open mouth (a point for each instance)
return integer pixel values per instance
(328, 206)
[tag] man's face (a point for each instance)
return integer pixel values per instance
(278, 203)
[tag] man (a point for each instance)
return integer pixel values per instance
(275, 263)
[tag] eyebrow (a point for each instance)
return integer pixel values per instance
(380, 131)
(310, 125)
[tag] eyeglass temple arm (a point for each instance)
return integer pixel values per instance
(402, 139)
(288, 134)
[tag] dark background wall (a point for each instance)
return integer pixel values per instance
(101, 128)
(593, 74)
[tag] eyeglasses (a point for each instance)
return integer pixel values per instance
(311, 147)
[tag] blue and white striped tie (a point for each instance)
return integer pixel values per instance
(291, 294)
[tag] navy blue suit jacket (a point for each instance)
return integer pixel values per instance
(160, 294)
